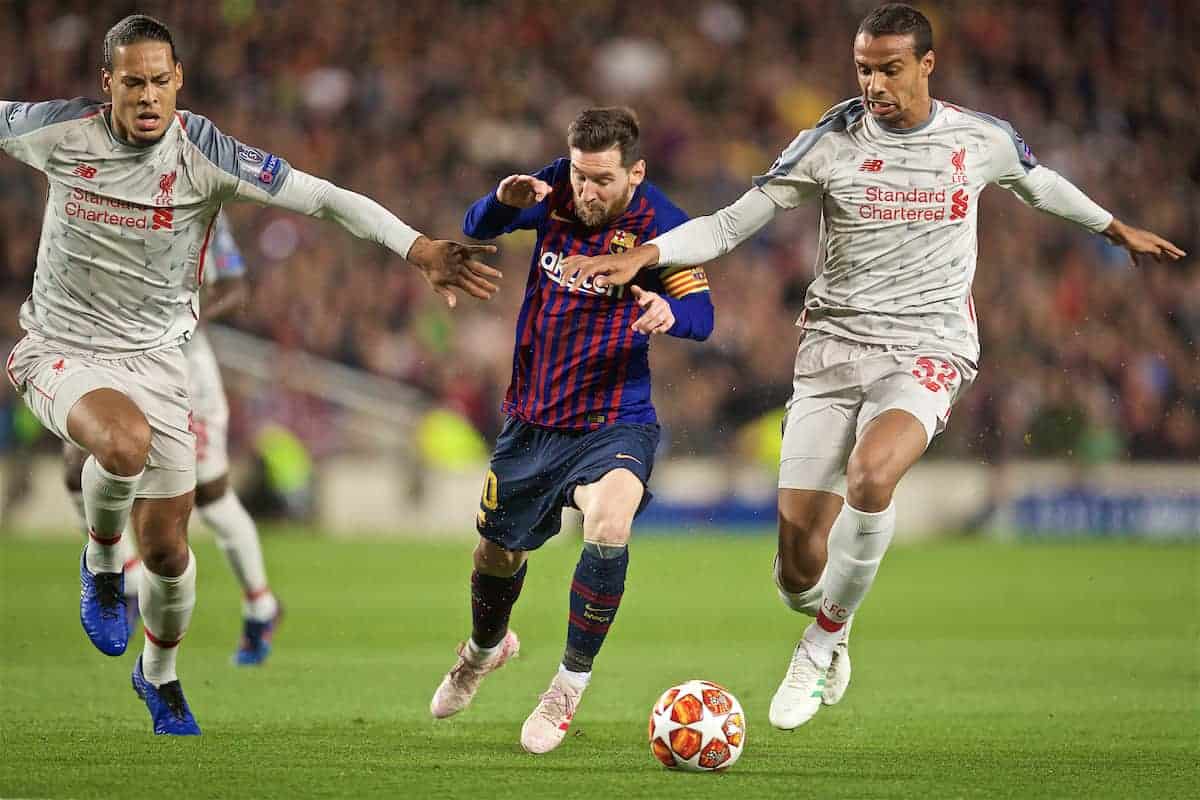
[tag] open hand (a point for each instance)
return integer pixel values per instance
(608, 270)
(522, 191)
(449, 265)
(1142, 243)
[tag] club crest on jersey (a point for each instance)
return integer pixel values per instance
(959, 161)
(166, 189)
(622, 241)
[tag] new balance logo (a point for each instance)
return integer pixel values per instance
(958, 204)
(871, 165)
(85, 171)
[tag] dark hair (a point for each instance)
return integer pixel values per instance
(898, 19)
(135, 28)
(598, 129)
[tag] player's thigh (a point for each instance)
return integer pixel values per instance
(609, 506)
(609, 477)
(159, 385)
(53, 380)
(520, 507)
(926, 386)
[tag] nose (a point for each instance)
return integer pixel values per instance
(874, 84)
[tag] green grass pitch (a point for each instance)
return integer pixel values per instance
(980, 670)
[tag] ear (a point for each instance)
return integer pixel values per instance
(178, 75)
(637, 173)
(927, 62)
(106, 82)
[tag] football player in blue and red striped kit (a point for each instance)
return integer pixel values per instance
(581, 430)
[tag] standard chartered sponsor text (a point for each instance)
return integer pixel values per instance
(875, 195)
(78, 207)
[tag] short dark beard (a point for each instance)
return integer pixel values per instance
(605, 216)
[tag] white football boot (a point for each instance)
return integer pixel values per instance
(799, 695)
(462, 681)
(547, 726)
(838, 678)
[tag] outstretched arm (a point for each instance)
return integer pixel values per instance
(696, 241)
(446, 265)
(1046, 190)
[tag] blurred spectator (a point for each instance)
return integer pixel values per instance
(425, 105)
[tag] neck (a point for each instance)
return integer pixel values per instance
(913, 118)
(122, 133)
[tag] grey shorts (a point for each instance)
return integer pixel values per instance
(210, 409)
(52, 378)
(841, 385)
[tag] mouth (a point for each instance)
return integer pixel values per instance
(880, 107)
(147, 121)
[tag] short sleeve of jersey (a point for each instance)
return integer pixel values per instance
(226, 258)
(248, 165)
(26, 129)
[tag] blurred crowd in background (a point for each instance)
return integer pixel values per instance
(425, 105)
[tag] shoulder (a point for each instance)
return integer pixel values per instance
(836, 120)
(18, 118)
(559, 170)
(1000, 131)
(841, 116)
(667, 215)
(231, 156)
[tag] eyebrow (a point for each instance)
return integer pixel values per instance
(888, 63)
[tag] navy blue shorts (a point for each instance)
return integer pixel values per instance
(534, 472)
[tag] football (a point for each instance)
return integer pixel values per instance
(697, 726)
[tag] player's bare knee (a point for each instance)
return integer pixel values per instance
(607, 529)
(870, 481)
(492, 559)
(166, 556)
(123, 447)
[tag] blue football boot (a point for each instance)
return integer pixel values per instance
(102, 608)
(256, 640)
(168, 708)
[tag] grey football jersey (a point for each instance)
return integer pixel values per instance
(127, 229)
(899, 212)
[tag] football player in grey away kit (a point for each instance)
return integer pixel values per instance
(134, 190)
(889, 337)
